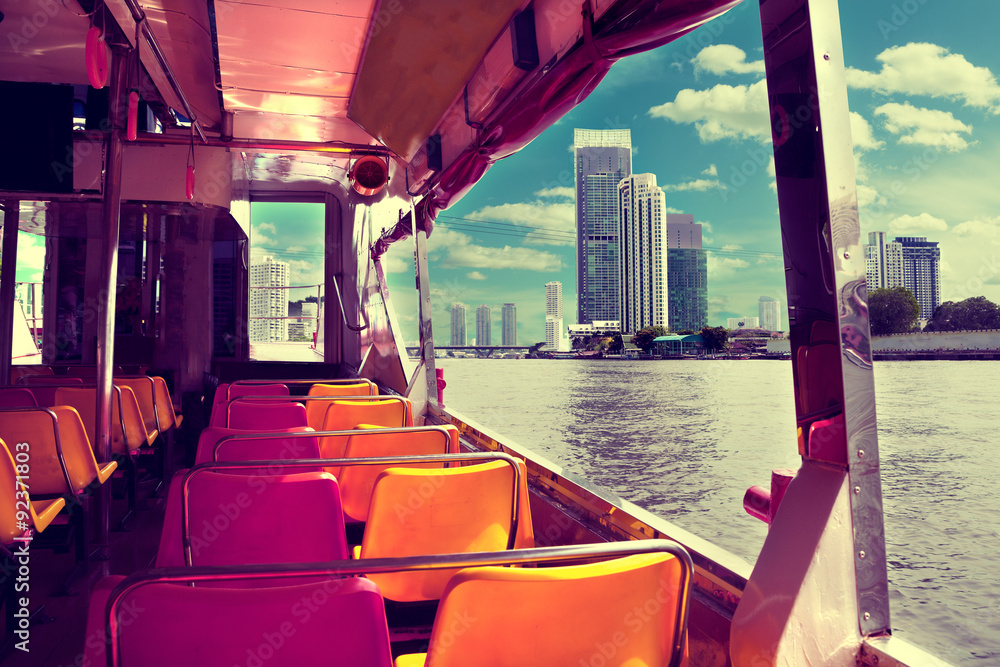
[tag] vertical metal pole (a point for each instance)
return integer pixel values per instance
(825, 272)
(426, 332)
(8, 274)
(114, 149)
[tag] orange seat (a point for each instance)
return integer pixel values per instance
(357, 482)
(165, 414)
(128, 432)
(316, 410)
(145, 391)
(629, 611)
(62, 460)
(17, 510)
(416, 512)
(346, 414)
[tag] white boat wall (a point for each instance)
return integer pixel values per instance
(387, 113)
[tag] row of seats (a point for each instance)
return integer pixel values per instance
(268, 489)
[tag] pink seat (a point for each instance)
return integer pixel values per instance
(17, 398)
(241, 520)
(184, 625)
(258, 415)
(235, 390)
(256, 449)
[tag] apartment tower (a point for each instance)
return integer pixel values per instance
(458, 336)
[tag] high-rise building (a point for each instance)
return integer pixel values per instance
(458, 336)
(910, 261)
(602, 159)
(883, 262)
(921, 272)
(553, 315)
(687, 274)
(484, 326)
(268, 307)
(508, 324)
(769, 310)
(643, 246)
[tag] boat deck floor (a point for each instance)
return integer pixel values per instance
(57, 633)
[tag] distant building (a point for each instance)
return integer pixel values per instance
(643, 253)
(769, 310)
(912, 262)
(743, 323)
(268, 307)
(508, 324)
(883, 262)
(458, 335)
(578, 331)
(602, 158)
(687, 274)
(921, 272)
(675, 346)
(484, 326)
(553, 315)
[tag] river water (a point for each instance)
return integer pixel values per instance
(685, 439)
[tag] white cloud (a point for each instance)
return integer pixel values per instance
(396, 263)
(729, 247)
(558, 191)
(475, 275)
(30, 254)
(266, 227)
(867, 195)
(929, 69)
(924, 127)
(699, 184)
(925, 222)
(721, 112)
(671, 209)
(861, 134)
(978, 228)
(725, 58)
(296, 248)
(459, 251)
(711, 171)
(548, 216)
(722, 267)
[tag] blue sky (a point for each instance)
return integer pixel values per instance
(925, 100)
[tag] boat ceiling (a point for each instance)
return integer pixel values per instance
(379, 73)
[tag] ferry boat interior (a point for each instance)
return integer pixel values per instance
(170, 498)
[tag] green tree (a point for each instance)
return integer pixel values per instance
(716, 338)
(643, 338)
(534, 352)
(974, 314)
(892, 310)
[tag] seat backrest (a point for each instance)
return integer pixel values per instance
(260, 415)
(357, 482)
(243, 520)
(346, 414)
(232, 626)
(15, 501)
(48, 430)
(262, 449)
(417, 512)
(144, 391)
(625, 610)
(48, 380)
(236, 390)
(316, 410)
(128, 432)
(15, 397)
(164, 404)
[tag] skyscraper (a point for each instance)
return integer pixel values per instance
(687, 274)
(643, 261)
(508, 325)
(769, 311)
(602, 159)
(910, 261)
(484, 327)
(553, 314)
(268, 307)
(883, 262)
(458, 336)
(921, 272)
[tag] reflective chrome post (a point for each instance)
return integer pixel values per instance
(825, 273)
(8, 274)
(426, 332)
(114, 149)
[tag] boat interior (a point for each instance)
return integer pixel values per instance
(171, 498)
